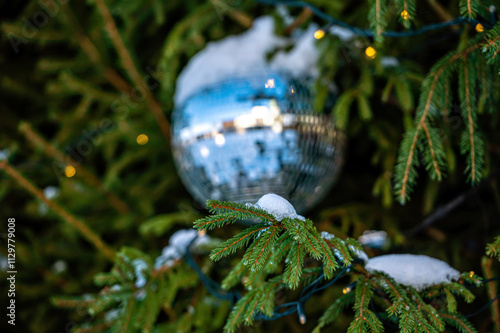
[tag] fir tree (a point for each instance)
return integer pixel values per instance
(95, 202)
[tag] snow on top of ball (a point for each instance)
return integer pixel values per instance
(278, 207)
(247, 53)
(417, 271)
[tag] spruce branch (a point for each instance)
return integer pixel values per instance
(471, 143)
(243, 211)
(431, 321)
(131, 68)
(236, 242)
(441, 11)
(410, 8)
(431, 92)
(434, 162)
(493, 249)
(334, 310)
(200, 18)
(224, 8)
(469, 8)
(365, 320)
(38, 141)
(79, 225)
(265, 243)
(89, 48)
(301, 18)
(377, 18)
(255, 301)
(460, 323)
(295, 261)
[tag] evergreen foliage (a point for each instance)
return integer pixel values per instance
(81, 80)
(274, 260)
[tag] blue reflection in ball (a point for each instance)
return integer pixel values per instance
(248, 136)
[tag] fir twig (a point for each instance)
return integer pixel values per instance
(93, 53)
(460, 323)
(130, 67)
(474, 162)
(405, 169)
(37, 140)
(441, 11)
(303, 16)
(79, 225)
(242, 18)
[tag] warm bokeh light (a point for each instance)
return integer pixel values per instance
(479, 27)
(405, 15)
(346, 290)
(318, 34)
(471, 273)
(70, 171)
(370, 52)
(142, 139)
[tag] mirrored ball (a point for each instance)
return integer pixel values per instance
(251, 135)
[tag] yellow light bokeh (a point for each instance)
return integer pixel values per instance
(479, 27)
(318, 34)
(405, 15)
(142, 139)
(346, 290)
(70, 171)
(370, 52)
(471, 273)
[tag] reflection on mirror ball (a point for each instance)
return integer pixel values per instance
(247, 136)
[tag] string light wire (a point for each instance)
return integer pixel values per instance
(368, 33)
(296, 306)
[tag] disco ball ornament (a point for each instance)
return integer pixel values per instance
(246, 136)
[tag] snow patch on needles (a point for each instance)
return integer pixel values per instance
(247, 53)
(342, 33)
(139, 267)
(326, 235)
(389, 62)
(417, 271)
(360, 254)
(178, 245)
(278, 207)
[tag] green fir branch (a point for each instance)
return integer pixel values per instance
(493, 249)
(469, 8)
(334, 310)
(294, 262)
(491, 49)
(378, 18)
(236, 242)
(365, 320)
(459, 322)
(433, 92)
(470, 144)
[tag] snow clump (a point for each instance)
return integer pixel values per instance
(417, 271)
(178, 246)
(278, 207)
(139, 267)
